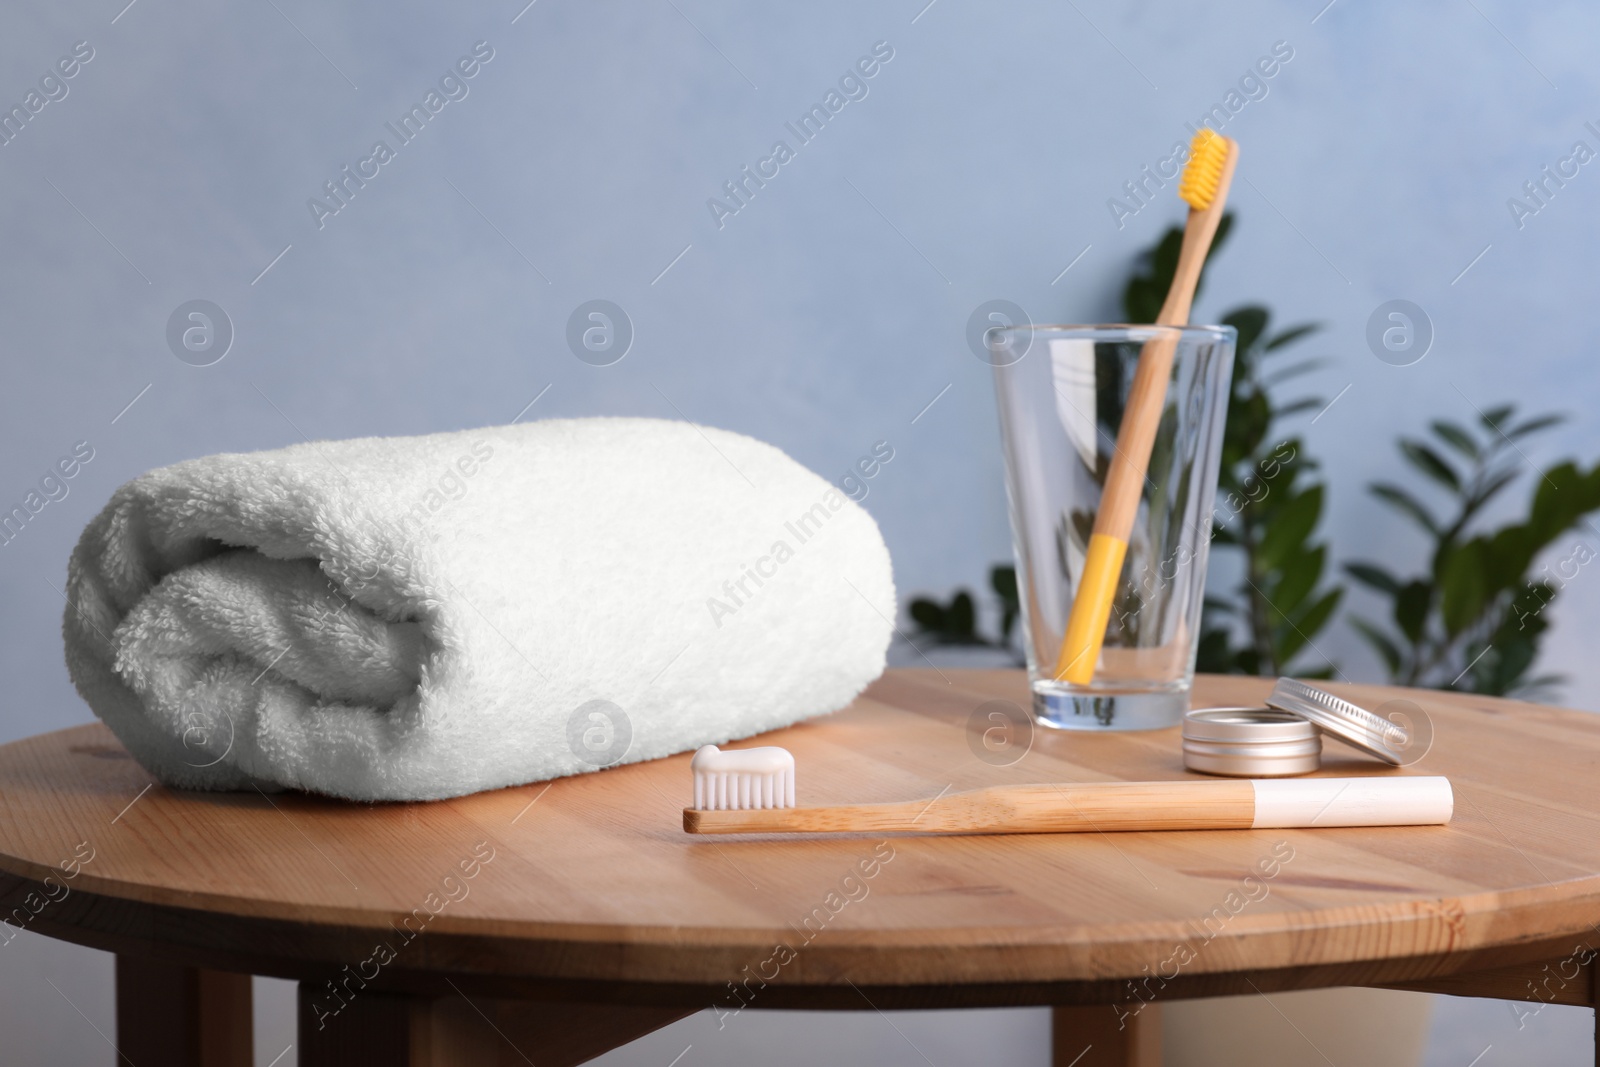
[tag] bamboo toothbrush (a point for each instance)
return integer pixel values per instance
(751, 791)
(1205, 187)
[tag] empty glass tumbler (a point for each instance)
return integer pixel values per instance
(1062, 391)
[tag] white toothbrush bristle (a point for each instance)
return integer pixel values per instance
(743, 778)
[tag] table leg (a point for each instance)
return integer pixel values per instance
(1099, 1036)
(183, 1016)
(371, 1029)
(376, 1029)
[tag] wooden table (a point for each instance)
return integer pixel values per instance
(554, 922)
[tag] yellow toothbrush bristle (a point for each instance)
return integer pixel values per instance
(1207, 153)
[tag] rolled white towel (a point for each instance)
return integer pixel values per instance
(424, 617)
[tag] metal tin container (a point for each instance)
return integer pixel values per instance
(1250, 742)
(1368, 731)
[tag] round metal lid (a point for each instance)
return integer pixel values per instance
(1260, 725)
(1355, 725)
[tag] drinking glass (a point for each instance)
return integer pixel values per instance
(1062, 391)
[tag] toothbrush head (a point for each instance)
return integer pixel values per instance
(742, 778)
(1208, 153)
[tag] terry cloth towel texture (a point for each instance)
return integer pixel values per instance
(425, 617)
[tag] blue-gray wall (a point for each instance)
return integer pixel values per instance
(830, 309)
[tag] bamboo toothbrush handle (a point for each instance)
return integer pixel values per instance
(1010, 809)
(1141, 417)
(1119, 502)
(1108, 806)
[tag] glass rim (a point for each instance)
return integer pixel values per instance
(1117, 329)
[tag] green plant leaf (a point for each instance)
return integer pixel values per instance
(1250, 322)
(1300, 632)
(1527, 618)
(1559, 497)
(1255, 418)
(1496, 416)
(1386, 649)
(1430, 463)
(1273, 532)
(1463, 587)
(1534, 425)
(1487, 491)
(1525, 611)
(1003, 580)
(1299, 575)
(1319, 614)
(1406, 504)
(1511, 662)
(1215, 653)
(1298, 406)
(1411, 606)
(1291, 524)
(1477, 593)
(1456, 437)
(1511, 550)
(927, 614)
(954, 623)
(1370, 574)
(1147, 289)
(962, 618)
(1479, 664)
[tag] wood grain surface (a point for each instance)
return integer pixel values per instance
(1095, 807)
(591, 884)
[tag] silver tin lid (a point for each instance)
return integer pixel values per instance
(1246, 725)
(1350, 723)
(1254, 742)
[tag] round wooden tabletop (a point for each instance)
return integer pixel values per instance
(592, 880)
